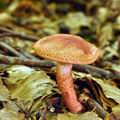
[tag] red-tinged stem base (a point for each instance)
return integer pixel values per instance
(66, 86)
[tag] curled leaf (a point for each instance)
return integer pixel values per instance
(110, 91)
(17, 73)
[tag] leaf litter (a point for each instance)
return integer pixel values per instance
(24, 91)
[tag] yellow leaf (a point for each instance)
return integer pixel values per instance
(6, 114)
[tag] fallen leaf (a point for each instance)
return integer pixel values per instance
(71, 116)
(104, 89)
(75, 20)
(17, 73)
(35, 85)
(4, 93)
(7, 114)
(27, 87)
(109, 90)
(50, 117)
(84, 116)
(116, 111)
(105, 34)
(116, 67)
(11, 105)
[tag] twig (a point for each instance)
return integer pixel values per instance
(96, 107)
(6, 32)
(28, 55)
(12, 50)
(96, 72)
(15, 60)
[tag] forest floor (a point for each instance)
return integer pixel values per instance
(28, 88)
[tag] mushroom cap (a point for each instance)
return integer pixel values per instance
(67, 48)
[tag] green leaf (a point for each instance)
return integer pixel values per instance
(7, 114)
(116, 67)
(106, 33)
(11, 105)
(51, 117)
(85, 116)
(17, 73)
(75, 20)
(71, 116)
(110, 91)
(35, 85)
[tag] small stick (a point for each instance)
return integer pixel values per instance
(33, 63)
(96, 72)
(28, 55)
(6, 32)
(96, 107)
(12, 50)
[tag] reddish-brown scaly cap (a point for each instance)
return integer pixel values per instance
(67, 49)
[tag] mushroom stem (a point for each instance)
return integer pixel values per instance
(66, 86)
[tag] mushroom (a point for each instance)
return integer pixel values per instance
(67, 50)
